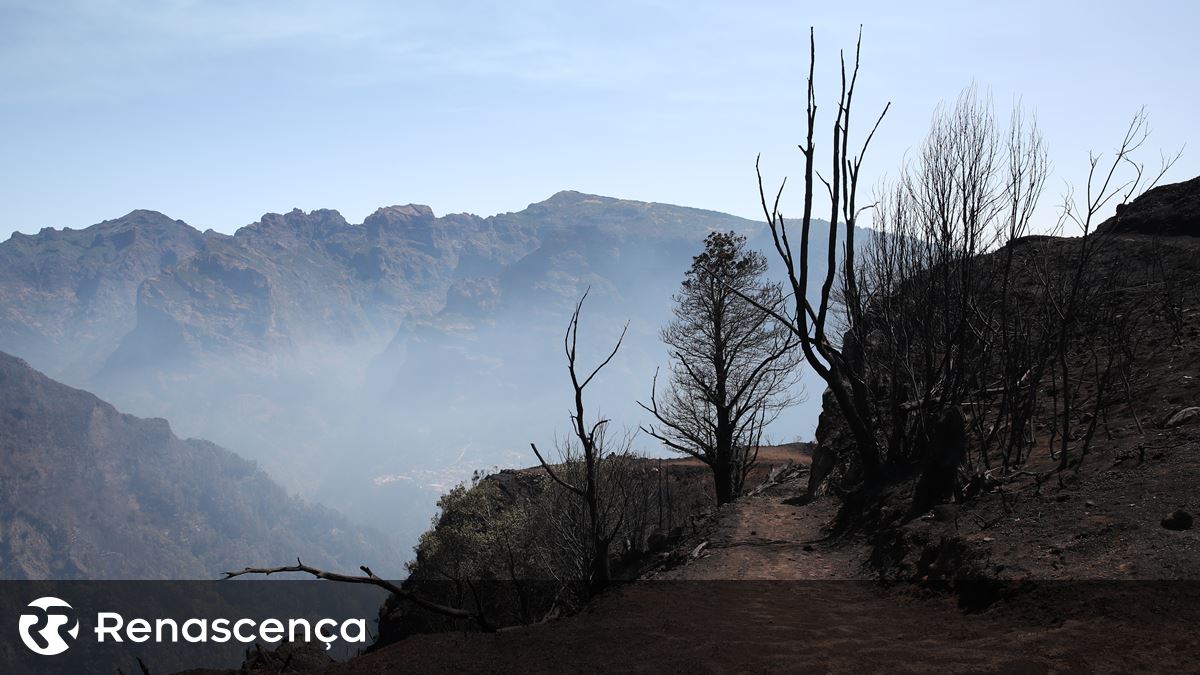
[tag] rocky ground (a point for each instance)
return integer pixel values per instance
(760, 586)
(768, 592)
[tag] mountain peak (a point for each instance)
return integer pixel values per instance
(391, 214)
(143, 220)
(569, 197)
(282, 227)
(134, 220)
(413, 210)
(144, 216)
(401, 219)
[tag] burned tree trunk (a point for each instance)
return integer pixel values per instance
(945, 451)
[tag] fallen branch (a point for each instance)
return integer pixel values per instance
(371, 579)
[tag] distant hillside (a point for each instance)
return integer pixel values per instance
(87, 492)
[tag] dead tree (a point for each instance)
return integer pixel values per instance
(967, 318)
(603, 514)
(732, 365)
(949, 334)
(369, 577)
(839, 365)
(1119, 180)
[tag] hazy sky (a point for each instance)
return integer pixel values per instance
(218, 111)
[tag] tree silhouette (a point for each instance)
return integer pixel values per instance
(591, 447)
(733, 363)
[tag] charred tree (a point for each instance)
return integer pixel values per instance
(811, 321)
(604, 511)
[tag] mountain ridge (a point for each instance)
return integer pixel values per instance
(94, 493)
(559, 198)
(302, 338)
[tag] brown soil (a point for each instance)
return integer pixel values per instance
(773, 627)
(1102, 520)
(816, 611)
(763, 538)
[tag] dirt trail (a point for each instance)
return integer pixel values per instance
(757, 599)
(763, 538)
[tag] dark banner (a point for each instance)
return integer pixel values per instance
(648, 626)
(103, 626)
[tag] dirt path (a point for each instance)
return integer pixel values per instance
(764, 538)
(757, 599)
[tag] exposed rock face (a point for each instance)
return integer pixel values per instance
(834, 447)
(300, 278)
(303, 278)
(89, 493)
(1171, 210)
(67, 297)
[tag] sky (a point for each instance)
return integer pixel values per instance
(215, 112)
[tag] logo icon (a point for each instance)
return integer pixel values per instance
(43, 624)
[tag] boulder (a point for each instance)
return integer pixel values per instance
(1178, 520)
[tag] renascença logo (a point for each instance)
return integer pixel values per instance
(46, 619)
(43, 624)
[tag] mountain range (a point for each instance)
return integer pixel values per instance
(366, 366)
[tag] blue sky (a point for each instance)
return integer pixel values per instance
(218, 111)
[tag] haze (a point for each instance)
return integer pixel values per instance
(216, 112)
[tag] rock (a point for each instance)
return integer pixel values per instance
(1167, 210)
(1178, 520)
(833, 439)
(1182, 417)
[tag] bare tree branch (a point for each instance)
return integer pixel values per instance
(369, 578)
